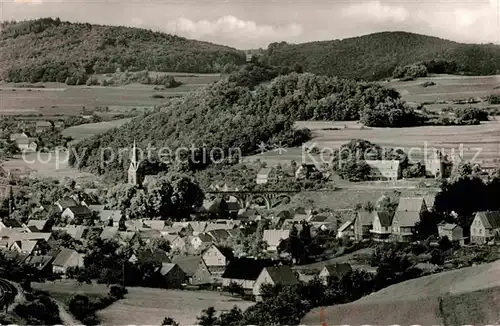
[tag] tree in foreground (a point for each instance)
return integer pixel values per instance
(169, 322)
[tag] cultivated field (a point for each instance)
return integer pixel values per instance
(467, 296)
(479, 141)
(61, 99)
(447, 88)
(89, 129)
(146, 306)
(48, 165)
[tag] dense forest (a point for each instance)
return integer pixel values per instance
(376, 56)
(239, 112)
(51, 50)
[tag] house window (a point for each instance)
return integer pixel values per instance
(480, 231)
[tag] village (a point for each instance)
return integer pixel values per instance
(226, 244)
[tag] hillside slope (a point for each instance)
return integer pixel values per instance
(465, 296)
(50, 50)
(375, 56)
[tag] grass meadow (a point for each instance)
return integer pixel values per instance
(89, 129)
(147, 306)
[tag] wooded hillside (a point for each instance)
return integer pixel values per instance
(375, 56)
(51, 50)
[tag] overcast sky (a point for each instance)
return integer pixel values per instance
(256, 23)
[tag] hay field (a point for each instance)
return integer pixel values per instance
(447, 87)
(466, 296)
(89, 129)
(61, 99)
(147, 306)
(48, 165)
(482, 141)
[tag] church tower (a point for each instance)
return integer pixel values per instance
(134, 166)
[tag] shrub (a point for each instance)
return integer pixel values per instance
(157, 96)
(118, 291)
(428, 83)
(494, 99)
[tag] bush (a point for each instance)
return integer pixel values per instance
(118, 291)
(494, 99)
(157, 96)
(428, 83)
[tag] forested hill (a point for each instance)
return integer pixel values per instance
(51, 50)
(233, 114)
(375, 56)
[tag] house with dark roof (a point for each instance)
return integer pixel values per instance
(485, 227)
(219, 236)
(363, 224)
(407, 214)
(381, 225)
(76, 212)
(334, 271)
(157, 256)
(173, 275)
(65, 259)
(195, 269)
(282, 275)
(65, 202)
(12, 224)
(43, 262)
(245, 271)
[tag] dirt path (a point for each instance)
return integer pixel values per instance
(66, 317)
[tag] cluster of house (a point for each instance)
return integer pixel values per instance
(26, 142)
(380, 225)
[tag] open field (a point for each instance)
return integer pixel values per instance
(146, 306)
(479, 141)
(89, 129)
(61, 99)
(447, 87)
(50, 165)
(467, 296)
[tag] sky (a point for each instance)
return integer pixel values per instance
(253, 24)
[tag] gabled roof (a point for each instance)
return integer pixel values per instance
(274, 237)
(198, 226)
(79, 210)
(219, 235)
(167, 267)
(110, 214)
(219, 226)
(157, 256)
(448, 226)
(109, 232)
(282, 275)
(430, 199)
(225, 251)
(12, 223)
(205, 237)
(365, 217)
(40, 262)
(344, 226)
(404, 218)
(338, 269)
(410, 204)
(490, 220)
(77, 232)
(189, 264)
(63, 256)
(155, 224)
(39, 224)
(66, 202)
(26, 245)
(385, 218)
(247, 268)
